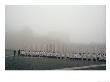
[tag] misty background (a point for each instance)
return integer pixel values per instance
(70, 25)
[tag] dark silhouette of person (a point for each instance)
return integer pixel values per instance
(19, 52)
(14, 52)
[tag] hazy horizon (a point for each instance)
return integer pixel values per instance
(76, 24)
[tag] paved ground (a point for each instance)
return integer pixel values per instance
(100, 67)
(36, 63)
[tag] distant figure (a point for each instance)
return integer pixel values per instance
(18, 52)
(14, 52)
(22, 52)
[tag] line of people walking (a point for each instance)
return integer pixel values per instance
(76, 56)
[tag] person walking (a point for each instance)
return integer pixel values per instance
(14, 52)
(19, 52)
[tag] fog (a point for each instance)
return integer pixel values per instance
(37, 25)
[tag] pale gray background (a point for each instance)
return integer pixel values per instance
(72, 24)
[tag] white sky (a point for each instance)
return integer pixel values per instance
(79, 24)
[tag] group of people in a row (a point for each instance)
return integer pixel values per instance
(76, 56)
